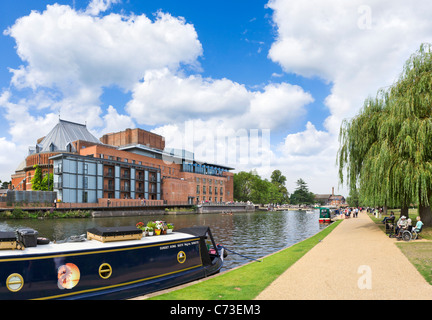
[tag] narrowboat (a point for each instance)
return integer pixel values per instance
(324, 216)
(109, 263)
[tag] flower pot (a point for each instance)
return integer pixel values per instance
(157, 232)
(169, 230)
(150, 233)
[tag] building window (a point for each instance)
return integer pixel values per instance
(85, 168)
(198, 189)
(85, 197)
(85, 183)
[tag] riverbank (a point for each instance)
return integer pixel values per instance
(120, 211)
(18, 213)
(357, 261)
(244, 282)
(350, 260)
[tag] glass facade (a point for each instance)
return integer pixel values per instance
(85, 179)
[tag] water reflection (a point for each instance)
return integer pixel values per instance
(254, 234)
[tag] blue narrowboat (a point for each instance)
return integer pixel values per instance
(116, 263)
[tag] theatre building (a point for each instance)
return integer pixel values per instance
(131, 164)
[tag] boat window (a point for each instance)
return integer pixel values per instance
(105, 271)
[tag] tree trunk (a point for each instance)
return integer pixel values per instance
(425, 215)
(404, 212)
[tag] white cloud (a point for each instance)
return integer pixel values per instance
(97, 6)
(115, 122)
(357, 47)
(68, 49)
(70, 57)
(307, 143)
(164, 97)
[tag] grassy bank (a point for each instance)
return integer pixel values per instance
(18, 213)
(418, 252)
(246, 282)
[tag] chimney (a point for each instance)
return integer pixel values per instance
(332, 191)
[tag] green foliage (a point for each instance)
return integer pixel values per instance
(353, 200)
(37, 178)
(18, 213)
(386, 150)
(248, 186)
(42, 183)
(302, 195)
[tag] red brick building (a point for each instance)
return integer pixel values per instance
(131, 164)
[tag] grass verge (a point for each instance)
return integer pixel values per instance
(246, 282)
(420, 255)
(418, 252)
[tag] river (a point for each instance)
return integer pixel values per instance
(252, 234)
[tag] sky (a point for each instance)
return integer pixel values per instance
(250, 84)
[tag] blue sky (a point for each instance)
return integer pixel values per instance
(285, 72)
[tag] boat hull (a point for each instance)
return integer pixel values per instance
(105, 271)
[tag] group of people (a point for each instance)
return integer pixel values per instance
(404, 224)
(348, 211)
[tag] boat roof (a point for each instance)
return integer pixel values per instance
(88, 245)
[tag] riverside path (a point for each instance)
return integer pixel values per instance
(356, 261)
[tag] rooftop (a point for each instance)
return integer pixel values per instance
(60, 138)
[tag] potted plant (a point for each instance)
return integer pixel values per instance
(141, 226)
(150, 227)
(159, 226)
(170, 227)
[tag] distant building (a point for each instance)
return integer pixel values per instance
(131, 164)
(330, 199)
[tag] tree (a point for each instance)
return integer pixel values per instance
(302, 195)
(249, 186)
(243, 182)
(37, 178)
(41, 183)
(386, 150)
(278, 180)
(353, 199)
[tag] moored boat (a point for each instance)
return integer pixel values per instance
(324, 216)
(118, 263)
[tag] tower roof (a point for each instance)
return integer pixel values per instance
(63, 134)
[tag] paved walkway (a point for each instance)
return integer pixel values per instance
(355, 261)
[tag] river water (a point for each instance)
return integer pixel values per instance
(252, 234)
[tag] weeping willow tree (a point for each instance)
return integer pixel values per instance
(386, 150)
